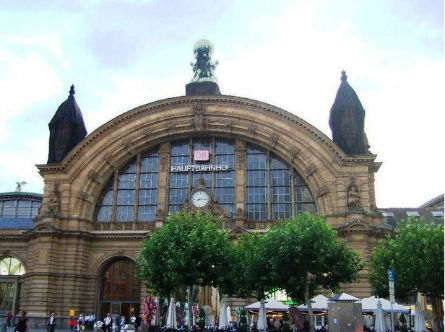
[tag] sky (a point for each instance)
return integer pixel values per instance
(126, 53)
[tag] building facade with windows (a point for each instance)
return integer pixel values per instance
(244, 160)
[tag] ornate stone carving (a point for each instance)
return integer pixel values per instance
(109, 159)
(251, 225)
(54, 201)
(106, 227)
(198, 117)
(228, 125)
(117, 227)
(293, 153)
(240, 152)
(160, 214)
(239, 214)
(140, 227)
(310, 170)
(273, 139)
(84, 196)
(353, 196)
(93, 175)
(164, 157)
(171, 126)
(322, 191)
(128, 227)
(128, 146)
(252, 130)
(147, 133)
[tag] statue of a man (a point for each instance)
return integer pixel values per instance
(203, 68)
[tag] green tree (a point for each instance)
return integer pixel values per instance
(306, 256)
(250, 267)
(416, 256)
(190, 249)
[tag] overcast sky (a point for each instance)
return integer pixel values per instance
(122, 54)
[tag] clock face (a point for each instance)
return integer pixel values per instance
(200, 198)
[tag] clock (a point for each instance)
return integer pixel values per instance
(200, 198)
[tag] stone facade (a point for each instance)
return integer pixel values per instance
(66, 252)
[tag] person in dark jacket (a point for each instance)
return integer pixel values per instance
(22, 324)
(52, 322)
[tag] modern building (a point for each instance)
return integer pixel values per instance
(250, 162)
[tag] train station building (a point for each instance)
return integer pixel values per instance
(252, 163)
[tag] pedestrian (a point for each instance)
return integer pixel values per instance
(107, 323)
(121, 323)
(72, 323)
(133, 320)
(80, 323)
(52, 322)
(22, 325)
(8, 319)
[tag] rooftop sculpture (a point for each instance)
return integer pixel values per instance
(203, 68)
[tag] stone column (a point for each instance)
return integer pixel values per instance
(240, 182)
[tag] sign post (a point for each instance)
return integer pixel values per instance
(391, 296)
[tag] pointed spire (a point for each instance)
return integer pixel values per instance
(66, 128)
(347, 118)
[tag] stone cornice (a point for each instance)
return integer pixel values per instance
(166, 104)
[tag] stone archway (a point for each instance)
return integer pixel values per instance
(119, 290)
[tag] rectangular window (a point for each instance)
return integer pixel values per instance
(148, 184)
(256, 184)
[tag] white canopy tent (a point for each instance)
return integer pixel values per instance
(271, 305)
(369, 304)
(319, 303)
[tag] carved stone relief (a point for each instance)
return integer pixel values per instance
(54, 201)
(310, 170)
(353, 196)
(198, 117)
(273, 139)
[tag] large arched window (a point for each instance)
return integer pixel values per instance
(131, 194)
(273, 189)
(120, 289)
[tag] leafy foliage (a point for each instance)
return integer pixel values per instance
(415, 255)
(191, 249)
(306, 253)
(251, 265)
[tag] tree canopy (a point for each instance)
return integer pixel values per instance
(190, 249)
(307, 256)
(252, 275)
(416, 255)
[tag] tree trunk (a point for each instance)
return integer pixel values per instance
(308, 303)
(438, 314)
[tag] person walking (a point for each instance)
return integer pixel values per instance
(52, 322)
(22, 325)
(80, 323)
(107, 323)
(72, 323)
(121, 323)
(8, 319)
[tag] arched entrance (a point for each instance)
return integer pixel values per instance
(120, 290)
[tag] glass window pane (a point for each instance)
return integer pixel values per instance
(147, 213)
(223, 146)
(124, 213)
(104, 213)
